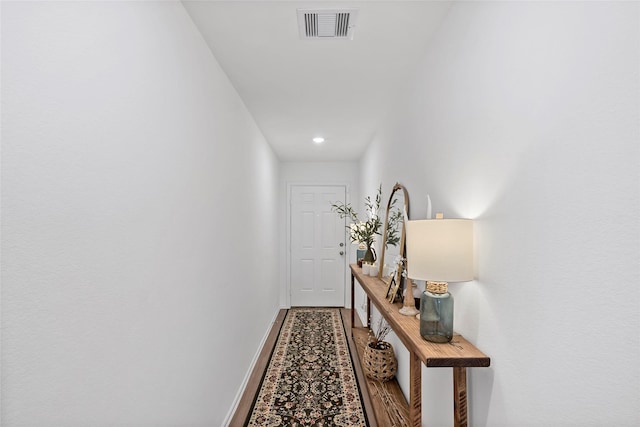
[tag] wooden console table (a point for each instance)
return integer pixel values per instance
(459, 354)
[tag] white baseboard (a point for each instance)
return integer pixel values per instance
(236, 401)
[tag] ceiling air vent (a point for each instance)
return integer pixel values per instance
(327, 23)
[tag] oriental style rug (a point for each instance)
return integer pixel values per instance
(310, 379)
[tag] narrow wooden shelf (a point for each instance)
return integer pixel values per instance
(458, 354)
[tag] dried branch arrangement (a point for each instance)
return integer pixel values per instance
(377, 335)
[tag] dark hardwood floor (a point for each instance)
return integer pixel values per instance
(243, 410)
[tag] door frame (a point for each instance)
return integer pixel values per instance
(347, 244)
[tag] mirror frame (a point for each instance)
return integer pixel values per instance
(403, 248)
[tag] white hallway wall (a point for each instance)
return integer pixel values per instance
(524, 116)
(132, 180)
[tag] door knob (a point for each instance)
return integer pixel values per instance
(341, 244)
(341, 253)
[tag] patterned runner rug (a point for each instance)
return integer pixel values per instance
(310, 379)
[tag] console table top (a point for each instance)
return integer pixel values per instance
(457, 353)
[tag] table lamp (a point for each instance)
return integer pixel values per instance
(439, 251)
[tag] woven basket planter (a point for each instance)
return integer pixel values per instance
(379, 363)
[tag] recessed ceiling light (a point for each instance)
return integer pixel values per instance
(318, 140)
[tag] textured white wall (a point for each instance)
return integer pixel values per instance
(132, 181)
(524, 116)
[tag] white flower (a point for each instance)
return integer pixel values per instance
(398, 263)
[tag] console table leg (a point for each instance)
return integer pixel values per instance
(353, 302)
(460, 397)
(415, 392)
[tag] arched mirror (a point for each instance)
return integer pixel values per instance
(393, 238)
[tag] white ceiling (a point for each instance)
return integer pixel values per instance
(298, 89)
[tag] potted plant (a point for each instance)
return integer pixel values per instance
(378, 360)
(364, 232)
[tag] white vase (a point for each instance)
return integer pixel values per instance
(365, 268)
(373, 270)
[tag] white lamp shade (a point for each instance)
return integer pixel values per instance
(440, 250)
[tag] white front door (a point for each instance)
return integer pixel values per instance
(318, 247)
